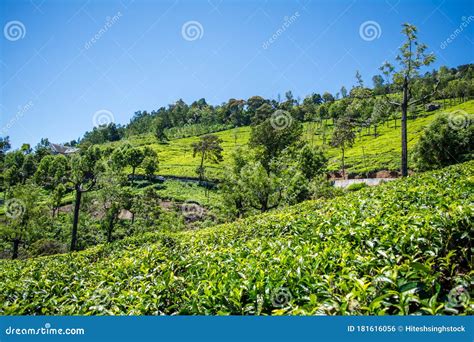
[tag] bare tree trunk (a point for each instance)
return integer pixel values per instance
(16, 246)
(343, 166)
(75, 222)
(404, 162)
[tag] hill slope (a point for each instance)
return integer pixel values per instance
(400, 248)
(368, 154)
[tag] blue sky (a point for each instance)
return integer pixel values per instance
(54, 78)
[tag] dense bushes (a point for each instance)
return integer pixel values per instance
(448, 140)
(401, 248)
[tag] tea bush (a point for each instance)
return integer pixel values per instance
(403, 247)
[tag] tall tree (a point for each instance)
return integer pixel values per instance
(343, 137)
(412, 57)
(208, 148)
(85, 168)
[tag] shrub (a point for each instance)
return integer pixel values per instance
(448, 140)
(47, 247)
(356, 186)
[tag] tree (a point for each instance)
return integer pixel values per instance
(412, 57)
(380, 113)
(84, 170)
(343, 137)
(23, 212)
(160, 130)
(343, 92)
(262, 190)
(448, 140)
(56, 197)
(262, 113)
(51, 171)
(360, 81)
(208, 148)
(379, 86)
(4, 146)
(113, 198)
(150, 162)
(328, 97)
(312, 162)
(272, 138)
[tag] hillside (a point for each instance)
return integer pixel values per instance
(368, 154)
(400, 248)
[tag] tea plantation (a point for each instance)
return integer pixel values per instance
(401, 248)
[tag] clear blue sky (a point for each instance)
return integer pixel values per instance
(143, 62)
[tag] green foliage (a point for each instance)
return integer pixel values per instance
(399, 248)
(274, 135)
(449, 139)
(356, 186)
(208, 148)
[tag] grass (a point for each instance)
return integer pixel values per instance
(400, 248)
(368, 154)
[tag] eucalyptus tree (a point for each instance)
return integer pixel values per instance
(412, 57)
